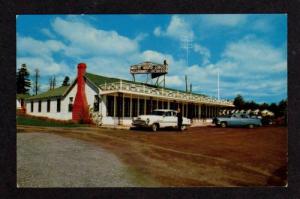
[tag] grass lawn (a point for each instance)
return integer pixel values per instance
(30, 121)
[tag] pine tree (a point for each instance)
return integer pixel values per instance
(239, 102)
(66, 81)
(23, 81)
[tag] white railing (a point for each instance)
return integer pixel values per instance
(161, 92)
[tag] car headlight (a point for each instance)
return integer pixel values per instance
(148, 120)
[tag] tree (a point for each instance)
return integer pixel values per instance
(36, 86)
(282, 108)
(264, 106)
(239, 102)
(23, 81)
(66, 81)
(274, 108)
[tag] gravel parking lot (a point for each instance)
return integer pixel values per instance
(200, 156)
(48, 160)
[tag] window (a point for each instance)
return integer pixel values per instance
(165, 105)
(154, 104)
(40, 106)
(110, 105)
(31, 106)
(148, 106)
(160, 104)
(70, 104)
(22, 102)
(58, 105)
(126, 107)
(134, 108)
(158, 113)
(173, 106)
(142, 104)
(120, 105)
(168, 113)
(96, 103)
(48, 105)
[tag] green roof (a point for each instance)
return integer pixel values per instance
(99, 79)
(22, 96)
(57, 92)
(96, 80)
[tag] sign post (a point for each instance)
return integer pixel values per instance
(156, 70)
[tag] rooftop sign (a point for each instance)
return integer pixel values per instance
(149, 67)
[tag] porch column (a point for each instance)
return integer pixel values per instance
(145, 105)
(138, 105)
(115, 105)
(199, 111)
(123, 105)
(130, 115)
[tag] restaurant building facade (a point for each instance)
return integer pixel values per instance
(117, 101)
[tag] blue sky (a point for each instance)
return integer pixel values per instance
(249, 50)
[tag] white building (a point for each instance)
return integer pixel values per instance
(118, 100)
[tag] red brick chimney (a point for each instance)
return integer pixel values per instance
(80, 111)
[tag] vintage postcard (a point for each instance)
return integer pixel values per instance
(160, 100)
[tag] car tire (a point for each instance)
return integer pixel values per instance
(223, 124)
(183, 128)
(251, 126)
(154, 127)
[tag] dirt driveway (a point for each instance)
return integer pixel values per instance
(49, 160)
(201, 156)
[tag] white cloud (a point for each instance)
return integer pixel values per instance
(253, 55)
(85, 39)
(178, 29)
(262, 25)
(174, 81)
(249, 66)
(204, 52)
(30, 46)
(141, 37)
(229, 20)
(48, 33)
(46, 66)
(157, 31)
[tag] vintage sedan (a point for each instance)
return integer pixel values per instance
(237, 120)
(160, 118)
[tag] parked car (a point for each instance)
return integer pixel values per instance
(237, 120)
(160, 118)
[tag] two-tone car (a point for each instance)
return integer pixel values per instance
(160, 118)
(237, 120)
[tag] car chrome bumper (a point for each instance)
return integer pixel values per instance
(139, 123)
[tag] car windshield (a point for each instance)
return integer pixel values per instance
(157, 113)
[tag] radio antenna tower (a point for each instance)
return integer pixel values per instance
(187, 44)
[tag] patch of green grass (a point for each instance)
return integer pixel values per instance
(31, 121)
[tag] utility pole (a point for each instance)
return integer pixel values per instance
(187, 44)
(36, 80)
(186, 85)
(218, 84)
